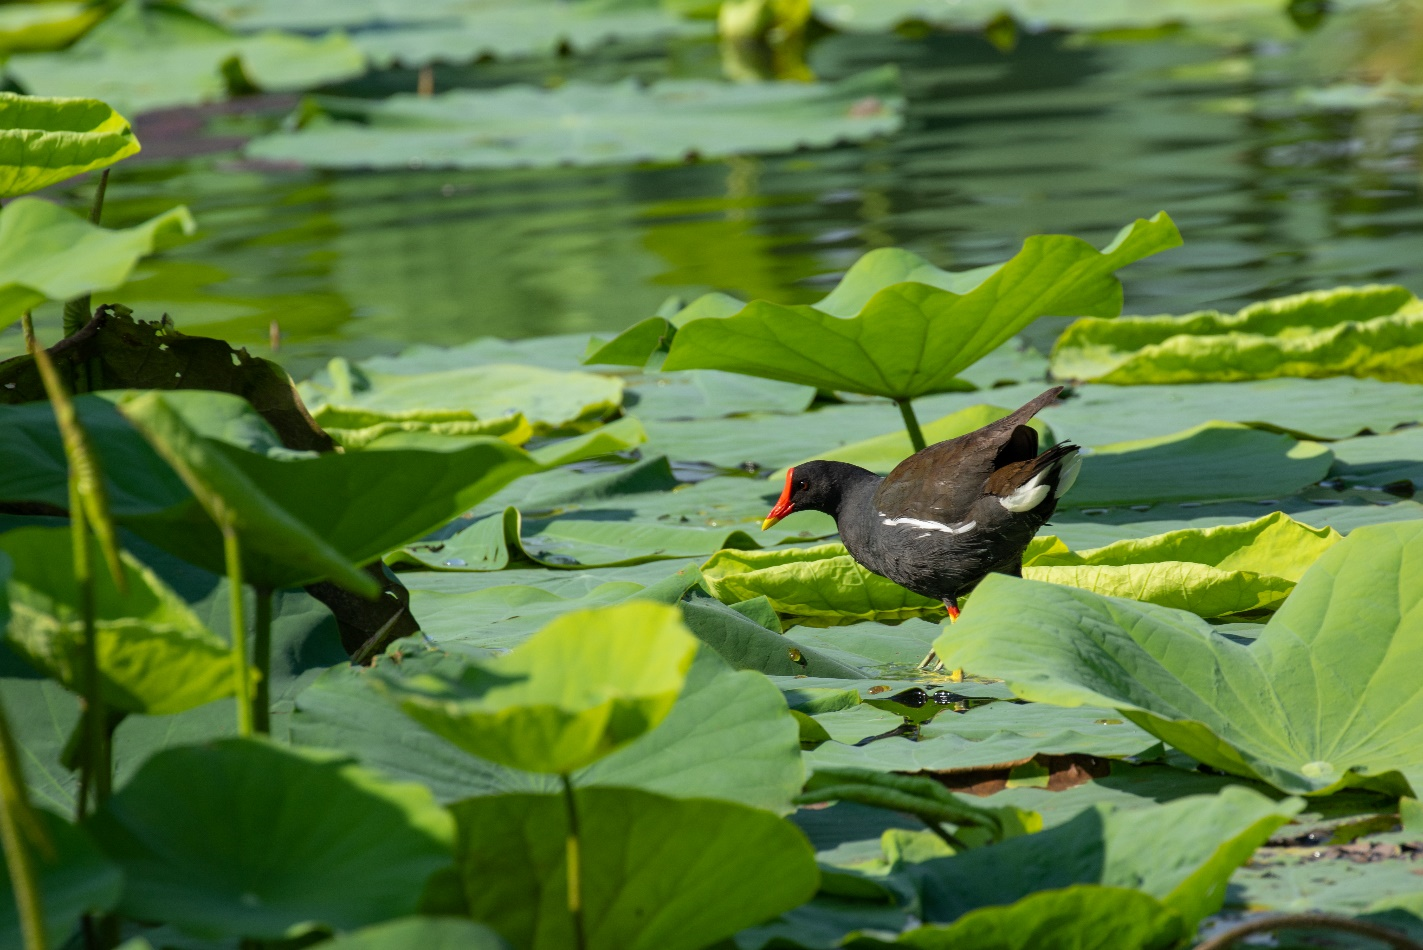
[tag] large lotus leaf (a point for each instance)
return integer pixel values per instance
(360, 428)
(582, 123)
(582, 687)
(428, 933)
(592, 538)
(1350, 331)
(1090, 15)
(1212, 572)
(1292, 883)
(877, 648)
(548, 399)
(499, 618)
(822, 585)
(244, 838)
(74, 879)
(1380, 460)
(1319, 409)
(1079, 917)
(1181, 853)
(657, 873)
(1213, 461)
(708, 394)
(1324, 698)
(892, 329)
(996, 734)
(34, 27)
(48, 253)
(152, 56)
(883, 452)
(154, 655)
(45, 141)
(358, 504)
(729, 736)
(750, 645)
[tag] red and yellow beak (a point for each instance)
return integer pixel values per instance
(783, 504)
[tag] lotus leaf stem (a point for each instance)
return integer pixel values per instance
(911, 424)
(575, 872)
(76, 311)
(1310, 922)
(93, 766)
(18, 821)
(262, 656)
(232, 554)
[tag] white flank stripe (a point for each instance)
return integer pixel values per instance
(932, 525)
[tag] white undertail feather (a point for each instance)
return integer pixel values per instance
(1028, 495)
(1068, 478)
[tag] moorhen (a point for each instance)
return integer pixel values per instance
(948, 515)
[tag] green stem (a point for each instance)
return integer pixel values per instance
(262, 656)
(575, 867)
(232, 554)
(76, 311)
(93, 762)
(911, 424)
(15, 815)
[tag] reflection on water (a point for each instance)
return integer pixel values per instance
(1058, 135)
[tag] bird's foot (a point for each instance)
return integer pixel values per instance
(905, 728)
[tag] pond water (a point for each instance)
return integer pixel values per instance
(1060, 134)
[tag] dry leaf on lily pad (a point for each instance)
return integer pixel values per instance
(1327, 697)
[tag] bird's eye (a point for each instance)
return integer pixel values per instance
(800, 486)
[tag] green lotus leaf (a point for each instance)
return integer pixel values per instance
(74, 880)
(582, 687)
(341, 500)
(582, 123)
(244, 838)
(155, 656)
(1213, 461)
(1079, 917)
(1212, 572)
(1323, 699)
(657, 873)
(883, 452)
(360, 428)
(45, 141)
(921, 796)
(898, 327)
(428, 933)
(822, 585)
(1380, 460)
(729, 736)
(48, 253)
(35, 27)
(152, 56)
(1090, 16)
(1181, 853)
(549, 400)
(1373, 331)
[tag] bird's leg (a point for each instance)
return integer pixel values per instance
(931, 662)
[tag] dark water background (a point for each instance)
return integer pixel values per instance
(1061, 134)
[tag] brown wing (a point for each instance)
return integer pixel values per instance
(942, 482)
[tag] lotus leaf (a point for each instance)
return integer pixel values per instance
(244, 838)
(1213, 461)
(1323, 699)
(1080, 917)
(883, 452)
(154, 655)
(584, 123)
(896, 326)
(75, 880)
(52, 254)
(708, 394)
(583, 686)
(498, 618)
(428, 933)
(33, 27)
(1380, 460)
(1349, 331)
(152, 56)
(1088, 15)
(551, 401)
(729, 737)
(1181, 853)
(1212, 572)
(45, 141)
(342, 500)
(359, 428)
(663, 873)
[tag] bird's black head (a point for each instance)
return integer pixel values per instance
(816, 486)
